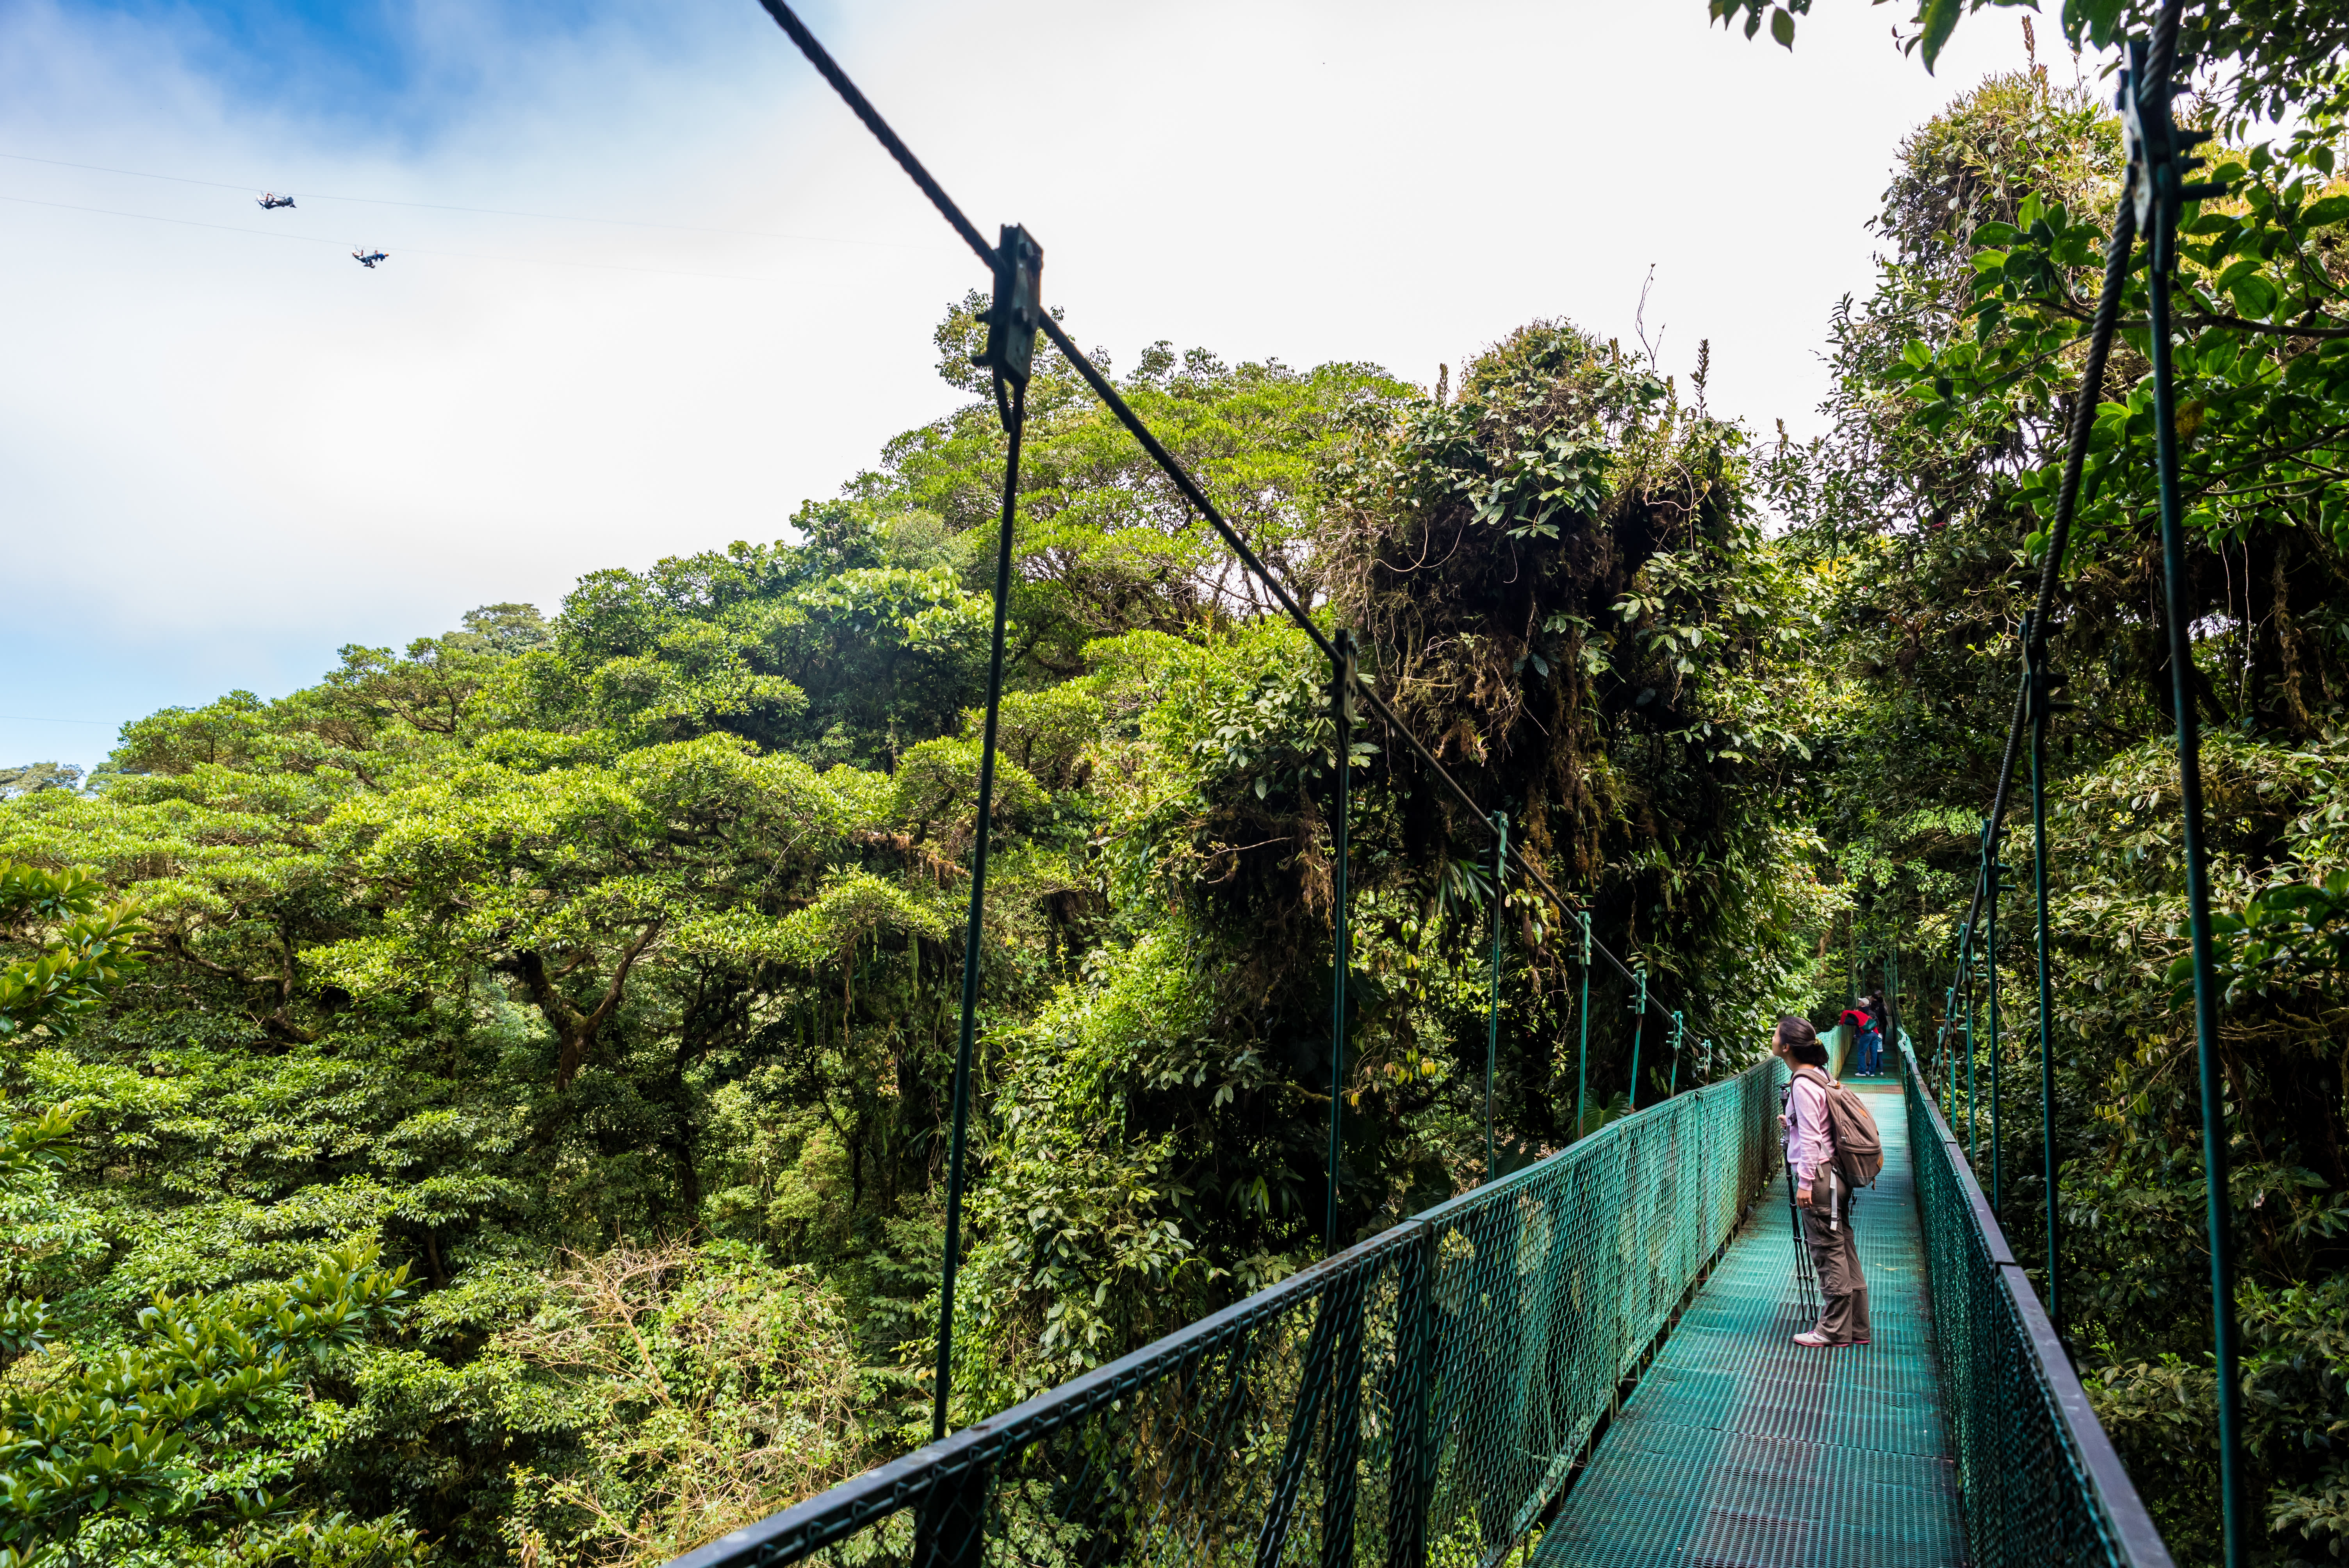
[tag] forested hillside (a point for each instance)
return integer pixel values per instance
(487, 1106)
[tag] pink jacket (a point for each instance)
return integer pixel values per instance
(1808, 1149)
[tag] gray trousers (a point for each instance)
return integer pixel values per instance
(1835, 1258)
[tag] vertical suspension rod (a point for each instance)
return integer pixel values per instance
(1492, 1007)
(2036, 661)
(1638, 1025)
(1973, 1092)
(1341, 713)
(1997, 876)
(1015, 414)
(1582, 1052)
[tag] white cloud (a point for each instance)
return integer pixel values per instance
(222, 454)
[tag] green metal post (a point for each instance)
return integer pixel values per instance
(1582, 1053)
(1341, 711)
(1949, 1050)
(1677, 1026)
(2153, 113)
(2037, 675)
(1891, 1030)
(1638, 1025)
(1973, 1143)
(1997, 875)
(1493, 1009)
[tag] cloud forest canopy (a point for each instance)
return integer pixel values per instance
(486, 1106)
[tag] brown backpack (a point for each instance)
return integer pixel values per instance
(1859, 1146)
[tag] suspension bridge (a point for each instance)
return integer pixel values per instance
(1587, 1362)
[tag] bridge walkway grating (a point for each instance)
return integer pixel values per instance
(1740, 1449)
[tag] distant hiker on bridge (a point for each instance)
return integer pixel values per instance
(1822, 1192)
(1867, 1025)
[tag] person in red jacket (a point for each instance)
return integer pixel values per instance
(1867, 1035)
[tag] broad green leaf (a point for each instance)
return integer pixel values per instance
(2255, 297)
(2331, 210)
(1935, 22)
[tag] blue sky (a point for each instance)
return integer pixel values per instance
(650, 285)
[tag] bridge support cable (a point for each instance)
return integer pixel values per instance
(2159, 192)
(1010, 341)
(1995, 876)
(1493, 1004)
(2035, 672)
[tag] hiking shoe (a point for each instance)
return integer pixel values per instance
(1813, 1339)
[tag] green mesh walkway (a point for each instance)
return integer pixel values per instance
(1739, 1449)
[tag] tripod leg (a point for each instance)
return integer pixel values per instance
(1803, 1278)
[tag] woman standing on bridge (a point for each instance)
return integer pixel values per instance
(1819, 1191)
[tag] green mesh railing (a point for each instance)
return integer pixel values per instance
(1419, 1399)
(2038, 1480)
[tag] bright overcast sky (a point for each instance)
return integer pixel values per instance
(226, 448)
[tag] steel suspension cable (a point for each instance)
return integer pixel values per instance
(831, 72)
(2165, 171)
(2118, 253)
